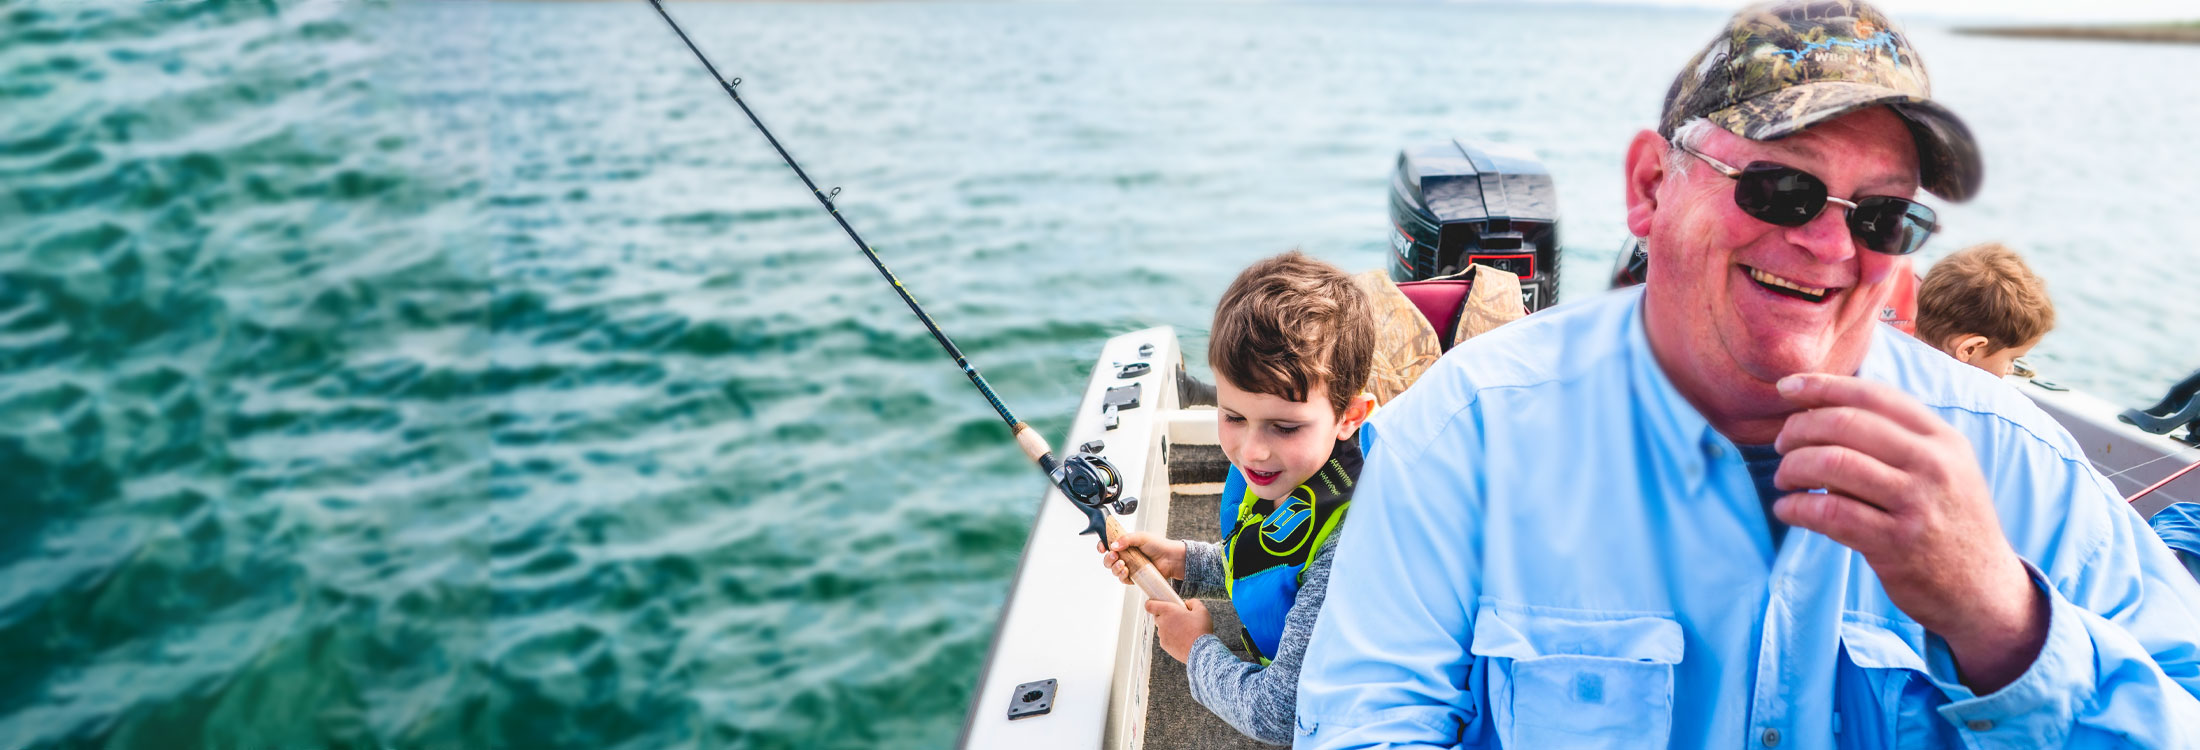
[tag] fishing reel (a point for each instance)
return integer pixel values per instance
(1094, 485)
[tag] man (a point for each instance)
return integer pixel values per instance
(1728, 509)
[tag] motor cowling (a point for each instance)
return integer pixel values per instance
(1455, 204)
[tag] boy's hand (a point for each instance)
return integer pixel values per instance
(1178, 627)
(1167, 555)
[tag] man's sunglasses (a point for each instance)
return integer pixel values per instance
(1790, 197)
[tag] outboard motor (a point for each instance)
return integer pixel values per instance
(1452, 205)
(1633, 265)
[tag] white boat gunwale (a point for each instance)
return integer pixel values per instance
(1066, 619)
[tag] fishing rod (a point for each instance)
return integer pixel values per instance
(1088, 480)
(2165, 482)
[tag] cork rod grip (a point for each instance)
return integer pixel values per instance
(1143, 572)
(1035, 447)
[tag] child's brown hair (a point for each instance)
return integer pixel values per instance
(1987, 290)
(1290, 322)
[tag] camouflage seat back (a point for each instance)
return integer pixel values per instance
(1494, 301)
(1406, 342)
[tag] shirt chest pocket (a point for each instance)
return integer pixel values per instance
(1559, 678)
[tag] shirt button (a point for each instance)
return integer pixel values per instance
(1772, 738)
(1980, 725)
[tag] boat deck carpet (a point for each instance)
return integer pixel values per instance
(1173, 719)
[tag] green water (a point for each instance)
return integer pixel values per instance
(470, 375)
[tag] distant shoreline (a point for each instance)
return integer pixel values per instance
(2187, 32)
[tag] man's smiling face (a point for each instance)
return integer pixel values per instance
(1734, 303)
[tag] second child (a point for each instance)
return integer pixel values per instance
(1983, 306)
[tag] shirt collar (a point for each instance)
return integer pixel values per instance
(1679, 431)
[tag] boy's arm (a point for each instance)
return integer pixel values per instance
(1262, 701)
(1202, 571)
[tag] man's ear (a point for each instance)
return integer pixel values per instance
(1355, 414)
(1967, 346)
(1645, 172)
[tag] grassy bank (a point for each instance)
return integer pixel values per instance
(2185, 32)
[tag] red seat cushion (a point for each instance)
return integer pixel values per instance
(1439, 301)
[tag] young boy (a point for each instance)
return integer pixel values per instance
(1291, 349)
(1983, 306)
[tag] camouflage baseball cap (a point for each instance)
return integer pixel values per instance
(1781, 67)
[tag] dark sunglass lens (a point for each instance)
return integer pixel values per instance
(1778, 194)
(1891, 225)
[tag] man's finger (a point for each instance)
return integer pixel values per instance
(1814, 390)
(1852, 522)
(1866, 431)
(1845, 471)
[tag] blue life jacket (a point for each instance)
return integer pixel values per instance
(1265, 550)
(2179, 527)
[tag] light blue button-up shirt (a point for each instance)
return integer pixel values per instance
(1550, 548)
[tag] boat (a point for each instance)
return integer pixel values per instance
(1074, 664)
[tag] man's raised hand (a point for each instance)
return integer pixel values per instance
(1904, 489)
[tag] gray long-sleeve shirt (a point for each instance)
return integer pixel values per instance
(1259, 701)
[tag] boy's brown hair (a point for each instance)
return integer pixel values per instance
(1987, 290)
(1290, 322)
